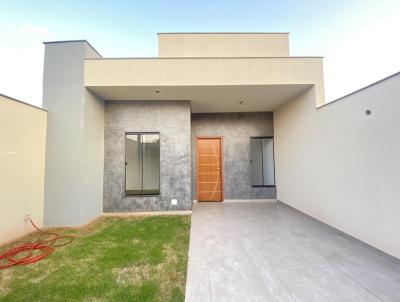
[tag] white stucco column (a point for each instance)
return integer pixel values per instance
(75, 137)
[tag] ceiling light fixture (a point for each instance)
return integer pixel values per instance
(241, 103)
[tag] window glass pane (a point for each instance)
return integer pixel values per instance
(151, 138)
(262, 162)
(142, 164)
(268, 161)
(151, 164)
(256, 162)
(133, 164)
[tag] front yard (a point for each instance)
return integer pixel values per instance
(113, 259)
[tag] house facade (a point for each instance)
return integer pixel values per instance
(155, 134)
(215, 117)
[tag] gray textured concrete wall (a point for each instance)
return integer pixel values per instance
(172, 120)
(236, 129)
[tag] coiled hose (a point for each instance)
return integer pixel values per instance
(34, 251)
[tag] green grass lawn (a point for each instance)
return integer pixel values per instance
(113, 259)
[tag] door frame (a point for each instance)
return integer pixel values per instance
(221, 142)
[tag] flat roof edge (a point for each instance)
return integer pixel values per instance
(198, 58)
(73, 41)
(203, 85)
(64, 41)
(22, 102)
(223, 33)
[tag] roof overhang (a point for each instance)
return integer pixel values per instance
(210, 84)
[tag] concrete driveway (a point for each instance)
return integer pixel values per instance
(262, 251)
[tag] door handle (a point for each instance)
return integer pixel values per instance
(218, 168)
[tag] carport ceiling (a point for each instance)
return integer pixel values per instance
(238, 98)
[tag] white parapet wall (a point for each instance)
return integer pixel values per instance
(340, 163)
(223, 44)
(22, 160)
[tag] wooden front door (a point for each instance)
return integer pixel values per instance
(209, 169)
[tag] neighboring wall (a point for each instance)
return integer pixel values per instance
(342, 166)
(236, 130)
(22, 159)
(75, 139)
(172, 120)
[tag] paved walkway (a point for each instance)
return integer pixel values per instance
(271, 252)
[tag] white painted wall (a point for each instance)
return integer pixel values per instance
(22, 158)
(342, 166)
(75, 139)
(93, 157)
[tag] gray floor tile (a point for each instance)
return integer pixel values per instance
(231, 256)
(271, 252)
(246, 286)
(343, 251)
(197, 285)
(323, 284)
(384, 282)
(288, 253)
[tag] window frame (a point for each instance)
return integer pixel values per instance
(273, 158)
(125, 163)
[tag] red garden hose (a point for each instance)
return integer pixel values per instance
(33, 251)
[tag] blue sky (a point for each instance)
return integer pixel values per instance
(360, 40)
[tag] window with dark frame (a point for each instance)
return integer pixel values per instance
(142, 163)
(262, 161)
